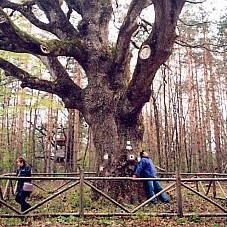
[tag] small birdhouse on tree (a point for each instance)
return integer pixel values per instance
(60, 138)
(60, 154)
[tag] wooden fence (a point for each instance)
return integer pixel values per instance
(209, 187)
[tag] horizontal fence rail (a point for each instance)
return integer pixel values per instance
(85, 179)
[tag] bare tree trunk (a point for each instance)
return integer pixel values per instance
(55, 135)
(70, 140)
(20, 121)
(76, 144)
(153, 142)
(200, 129)
(147, 129)
(192, 113)
(76, 128)
(182, 129)
(197, 121)
(208, 115)
(171, 149)
(3, 140)
(91, 152)
(157, 127)
(33, 138)
(166, 125)
(224, 122)
(48, 145)
(215, 119)
(28, 133)
(8, 153)
(106, 137)
(12, 142)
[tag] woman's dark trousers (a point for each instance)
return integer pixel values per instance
(20, 198)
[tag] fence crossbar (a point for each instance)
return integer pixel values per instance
(153, 197)
(63, 185)
(221, 189)
(49, 198)
(204, 197)
(107, 197)
(204, 191)
(9, 206)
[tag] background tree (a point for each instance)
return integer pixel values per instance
(196, 77)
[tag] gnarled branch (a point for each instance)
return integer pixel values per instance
(70, 93)
(26, 10)
(57, 18)
(160, 41)
(75, 5)
(128, 27)
(15, 40)
(58, 25)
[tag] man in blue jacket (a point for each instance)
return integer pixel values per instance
(146, 169)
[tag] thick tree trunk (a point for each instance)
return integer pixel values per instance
(157, 126)
(47, 152)
(110, 141)
(110, 136)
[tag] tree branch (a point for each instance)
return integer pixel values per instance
(15, 40)
(203, 46)
(59, 24)
(127, 29)
(26, 10)
(57, 18)
(160, 41)
(194, 24)
(75, 5)
(195, 2)
(65, 88)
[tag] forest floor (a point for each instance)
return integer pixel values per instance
(68, 202)
(117, 222)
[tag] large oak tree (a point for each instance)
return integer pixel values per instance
(111, 103)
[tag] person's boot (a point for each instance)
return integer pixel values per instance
(25, 207)
(154, 202)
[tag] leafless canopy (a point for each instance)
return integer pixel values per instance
(88, 43)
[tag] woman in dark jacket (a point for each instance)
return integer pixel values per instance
(24, 170)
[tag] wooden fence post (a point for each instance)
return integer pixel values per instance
(7, 190)
(178, 161)
(179, 195)
(81, 202)
(1, 195)
(214, 187)
(197, 184)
